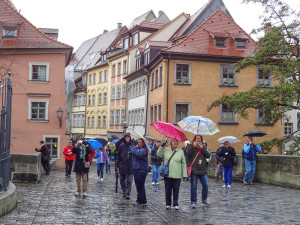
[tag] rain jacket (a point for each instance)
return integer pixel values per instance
(154, 159)
(99, 156)
(139, 159)
(123, 159)
(249, 151)
(227, 154)
(80, 157)
(66, 151)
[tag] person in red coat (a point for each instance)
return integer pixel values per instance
(69, 158)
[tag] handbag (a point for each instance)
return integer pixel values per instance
(235, 161)
(164, 169)
(189, 169)
(87, 164)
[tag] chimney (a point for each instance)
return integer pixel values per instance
(50, 32)
(105, 31)
(119, 26)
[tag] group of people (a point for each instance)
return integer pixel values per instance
(132, 163)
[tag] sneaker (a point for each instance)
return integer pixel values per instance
(176, 207)
(127, 197)
(168, 207)
(251, 183)
(245, 182)
(76, 193)
(101, 179)
(205, 202)
(224, 186)
(136, 203)
(84, 194)
(193, 205)
(228, 187)
(156, 183)
(153, 183)
(143, 204)
(97, 178)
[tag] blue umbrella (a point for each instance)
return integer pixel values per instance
(114, 141)
(94, 144)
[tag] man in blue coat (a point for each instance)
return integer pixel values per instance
(249, 154)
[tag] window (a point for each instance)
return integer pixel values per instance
(38, 71)
(181, 111)
(76, 100)
(118, 92)
(119, 68)
(94, 100)
(227, 115)
(156, 78)
(228, 76)
(260, 118)
(160, 75)
(147, 57)
(159, 112)
(114, 70)
(112, 117)
(220, 42)
(133, 94)
(263, 79)
(99, 121)
(88, 122)
(93, 122)
(155, 113)
(117, 117)
(10, 33)
(83, 100)
(240, 43)
(136, 120)
(105, 75)
(83, 120)
(104, 122)
(151, 114)
(124, 91)
(125, 67)
(125, 43)
(38, 109)
(90, 79)
(113, 94)
(74, 120)
(78, 120)
(298, 121)
(123, 116)
(138, 63)
(52, 145)
(135, 39)
(182, 73)
(105, 98)
(90, 99)
(288, 128)
(100, 99)
(94, 79)
(152, 81)
(142, 116)
(139, 121)
(100, 77)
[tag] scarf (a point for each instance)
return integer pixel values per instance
(82, 152)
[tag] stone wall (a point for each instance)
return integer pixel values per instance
(8, 199)
(271, 169)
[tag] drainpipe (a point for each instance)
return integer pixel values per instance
(168, 70)
(147, 103)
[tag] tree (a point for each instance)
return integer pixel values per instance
(277, 54)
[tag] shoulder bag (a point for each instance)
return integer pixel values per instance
(189, 169)
(164, 169)
(86, 164)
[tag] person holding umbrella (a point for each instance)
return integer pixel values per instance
(227, 153)
(249, 154)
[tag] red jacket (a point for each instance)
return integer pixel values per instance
(66, 151)
(90, 155)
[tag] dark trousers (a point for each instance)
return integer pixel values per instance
(172, 185)
(139, 180)
(46, 165)
(126, 182)
(69, 164)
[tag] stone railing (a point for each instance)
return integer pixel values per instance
(271, 169)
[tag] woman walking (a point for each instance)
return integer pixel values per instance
(228, 153)
(177, 170)
(102, 159)
(155, 162)
(139, 168)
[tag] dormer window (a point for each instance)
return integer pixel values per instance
(240, 43)
(138, 63)
(10, 33)
(220, 42)
(125, 43)
(147, 54)
(219, 38)
(135, 39)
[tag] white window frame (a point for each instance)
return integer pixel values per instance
(104, 98)
(125, 67)
(100, 99)
(175, 74)
(135, 39)
(104, 122)
(58, 143)
(46, 110)
(100, 77)
(257, 79)
(39, 64)
(222, 66)
(105, 75)
(288, 128)
(9, 30)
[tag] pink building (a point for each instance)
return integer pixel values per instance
(37, 63)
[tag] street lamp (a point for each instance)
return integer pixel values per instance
(59, 114)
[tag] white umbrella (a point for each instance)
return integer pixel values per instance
(230, 139)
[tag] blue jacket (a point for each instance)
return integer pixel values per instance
(99, 156)
(249, 151)
(139, 162)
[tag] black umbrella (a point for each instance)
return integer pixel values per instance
(102, 141)
(117, 176)
(255, 133)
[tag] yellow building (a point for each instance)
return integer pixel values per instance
(199, 70)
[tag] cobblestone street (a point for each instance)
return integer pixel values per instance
(52, 201)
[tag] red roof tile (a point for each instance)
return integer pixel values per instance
(201, 40)
(28, 36)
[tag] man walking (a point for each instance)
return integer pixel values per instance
(249, 154)
(45, 159)
(69, 158)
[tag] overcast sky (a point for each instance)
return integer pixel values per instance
(79, 20)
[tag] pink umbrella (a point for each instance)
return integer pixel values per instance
(169, 130)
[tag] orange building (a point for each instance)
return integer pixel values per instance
(37, 63)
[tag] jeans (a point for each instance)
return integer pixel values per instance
(69, 164)
(46, 165)
(100, 168)
(107, 167)
(82, 176)
(126, 182)
(155, 173)
(228, 174)
(139, 180)
(250, 170)
(172, 185)
(204, 181)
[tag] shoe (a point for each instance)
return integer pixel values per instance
(193, 205)
(101, 179)
(77, 193)
(153, 183)
(84, 194)
(228, 187)
(168, 207)
(224, 185)
(245, 182)
(66, 175)
(156, 183)
(251, 183)
(124, 195)
(176, 207)
(143, 204)
(127, 197)
(136, 204)
(97, 178)
(205, 202)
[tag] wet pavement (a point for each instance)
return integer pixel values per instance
(52, 201)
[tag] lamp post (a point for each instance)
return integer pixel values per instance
(59, 113)
(125, 126)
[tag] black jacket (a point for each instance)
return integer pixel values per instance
(123, 159)
(218, 157)
(227, 154)
(200, 166)
(155, 160)
(79, 163)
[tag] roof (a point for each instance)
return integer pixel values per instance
(201, 42)
(144, 24)
(201, 15)
(159, 44)
(142, 18)
(28, 36)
